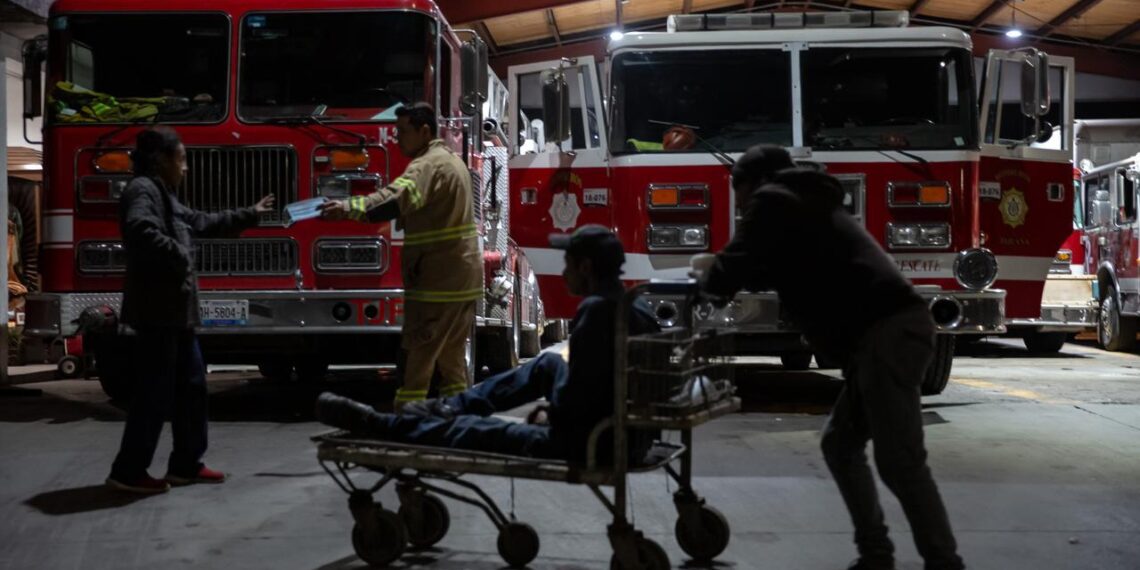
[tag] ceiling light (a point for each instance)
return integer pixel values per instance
(616, 35)
(1014, 33)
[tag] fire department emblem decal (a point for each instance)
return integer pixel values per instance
(1013, 207)
(564, 211)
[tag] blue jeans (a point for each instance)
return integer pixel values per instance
(472, 429)
(170, 381)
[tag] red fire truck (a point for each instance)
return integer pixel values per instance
(1113, 234)
(892, 111)
(294, 98)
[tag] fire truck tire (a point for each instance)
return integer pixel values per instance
(938, 373)
(311, 370)
(276, 370)
(1045, 342)
(499, 350)
(796, 360)
(1114, 331)
(112, 364)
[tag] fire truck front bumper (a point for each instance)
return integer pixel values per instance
(954, 312)
(1068, 304)
(242, 312)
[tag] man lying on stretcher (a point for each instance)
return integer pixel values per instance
(578, 394)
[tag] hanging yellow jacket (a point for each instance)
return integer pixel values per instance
(440, 260)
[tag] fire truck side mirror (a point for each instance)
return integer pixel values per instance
(555, 105)
(1102, 208)
(473, 78)
(34, 53)
(1035, 96)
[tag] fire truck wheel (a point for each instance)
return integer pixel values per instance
(276, 370)
(796, 360)
(938, 373)
(1045, 342)
(311, 370)
(69, 366)
(1114, 331)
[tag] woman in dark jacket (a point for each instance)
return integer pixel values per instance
(160, 302)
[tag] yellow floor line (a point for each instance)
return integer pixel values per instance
(1015, 392)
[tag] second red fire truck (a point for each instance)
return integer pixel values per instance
(965, 192)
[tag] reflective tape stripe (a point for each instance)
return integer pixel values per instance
(358, 208)
(403, 395)
(452, 389)
(446, 234)
(408, 185)
(444, 296)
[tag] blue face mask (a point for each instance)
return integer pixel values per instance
(303, 210)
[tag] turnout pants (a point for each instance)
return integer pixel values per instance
(880, 402)
(170, 380)
(473, 429)
(435, 338)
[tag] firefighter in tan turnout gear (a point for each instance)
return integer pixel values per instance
(441, 265)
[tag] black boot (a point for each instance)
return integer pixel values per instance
(434, 407)
(345, 413)
(872, 564)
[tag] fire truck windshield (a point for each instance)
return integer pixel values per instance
(338, 66)
(877, 98)
(732, 98)
(130, 68)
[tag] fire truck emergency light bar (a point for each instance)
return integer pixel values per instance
(788, 20)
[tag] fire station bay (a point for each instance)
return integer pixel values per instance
(570, 284)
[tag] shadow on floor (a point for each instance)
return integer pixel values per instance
(82, 500)
(987, 349)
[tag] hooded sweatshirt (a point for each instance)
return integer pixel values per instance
(833, 279)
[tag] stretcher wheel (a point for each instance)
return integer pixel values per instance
(518, 544)
(650, 556)
(385, 544)
(69, 367)
(431, 524)
(704, 536)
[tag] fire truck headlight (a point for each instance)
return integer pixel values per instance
(364, 255)
(101, 257)
(678, 237)
(102, 188)
(976, 268)
(338, 186)
(918, 236)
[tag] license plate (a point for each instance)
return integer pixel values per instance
(223, 313)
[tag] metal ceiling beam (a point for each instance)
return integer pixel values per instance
(918, 5)
(458, 11)
(1123, 34)
(553, 25)
(985, 14)
(1074, 11)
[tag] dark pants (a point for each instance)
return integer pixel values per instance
(170, 381)
(881, 402)
(472, 429)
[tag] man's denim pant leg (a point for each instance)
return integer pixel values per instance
(170, 381)
(472, 429)
(513, 388)
(881, 402)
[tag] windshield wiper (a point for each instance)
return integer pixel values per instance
(103, 138)
(315, 118)
(716, 152)
(847, 142)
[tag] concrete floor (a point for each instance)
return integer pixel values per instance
(1038, 459)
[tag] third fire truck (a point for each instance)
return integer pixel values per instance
(1112, 192)
(958, 190)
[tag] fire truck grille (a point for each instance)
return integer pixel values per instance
(272, 256)
(221, 178)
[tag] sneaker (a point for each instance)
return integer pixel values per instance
(435, 407)
(204, 475)
(145, 485)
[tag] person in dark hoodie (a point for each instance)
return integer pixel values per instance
(578, 394)
(878, 328)
(160, 302)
